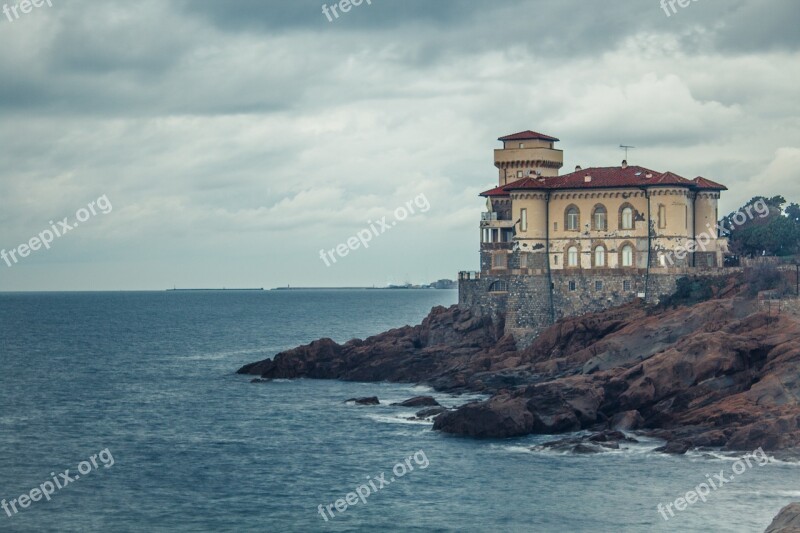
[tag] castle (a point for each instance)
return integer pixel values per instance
(556, 245)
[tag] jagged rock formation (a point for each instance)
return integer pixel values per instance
(446, 349)
(719, 373)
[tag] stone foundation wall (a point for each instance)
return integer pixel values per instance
(588, 291)
(522, 302)
(476, 295)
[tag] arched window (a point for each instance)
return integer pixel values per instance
(572, 256)
(572, 218)
(600, 218)
(499, 286)
(600, 257)
(627, 255)
(626, 217)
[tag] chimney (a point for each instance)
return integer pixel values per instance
(624, 163)
(578, 168)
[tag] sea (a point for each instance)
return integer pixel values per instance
(122, 411)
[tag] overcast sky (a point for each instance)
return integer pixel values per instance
(235, 139)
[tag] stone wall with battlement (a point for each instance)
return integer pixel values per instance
(528, 303)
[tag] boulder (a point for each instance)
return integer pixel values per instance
(675, 447)
(368, 400)
(586, 444)
(430, 412)
(499, 417)
(419, 401)
(787, 521)
(626, 421)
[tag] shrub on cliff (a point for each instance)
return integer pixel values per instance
(695, 289)
(766, 278)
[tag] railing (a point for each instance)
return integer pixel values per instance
(497, 246)
(494, 216)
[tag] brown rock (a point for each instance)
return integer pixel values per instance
(787, 521)
(499, 417)
(675, 447)
(627, 421)
(419, 401)
(369, 400)
(718, 373)
(430, 412)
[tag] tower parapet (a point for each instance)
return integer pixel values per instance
(526, 152)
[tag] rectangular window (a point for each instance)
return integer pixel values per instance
(523, 260)
(555, 259)
(600, 221)
(555, 226)
(523, 219)
(573, 220)
(662, 216)
(521, 145)
(499, 260)
(626, 285)
(519, 173)
(598, 285)
(572, 286)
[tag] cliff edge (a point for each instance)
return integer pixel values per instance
(720, 373)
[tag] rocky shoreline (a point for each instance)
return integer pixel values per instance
(718, 374)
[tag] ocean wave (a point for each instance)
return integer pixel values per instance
(398, 419)
(227, 353)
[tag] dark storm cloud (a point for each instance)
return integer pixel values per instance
(156, 57)
(259, 130)
(277, 15)
(760, 26)
(555, 27)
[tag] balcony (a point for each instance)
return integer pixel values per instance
(493, 219)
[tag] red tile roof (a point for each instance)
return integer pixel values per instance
(606, 177)
(704, 184)
(497, 191)
(526, 135)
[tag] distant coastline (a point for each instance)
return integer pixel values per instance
(440, 284)
(352, 288)
(223, 289)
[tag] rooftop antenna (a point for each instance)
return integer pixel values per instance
(626, 148)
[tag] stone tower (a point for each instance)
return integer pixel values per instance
(526, 152)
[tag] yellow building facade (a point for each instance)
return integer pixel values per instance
(626, 217)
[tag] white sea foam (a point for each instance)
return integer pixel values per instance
(257, 353)
(397, 419)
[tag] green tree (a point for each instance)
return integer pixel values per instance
(776, 234)
(793, 213)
